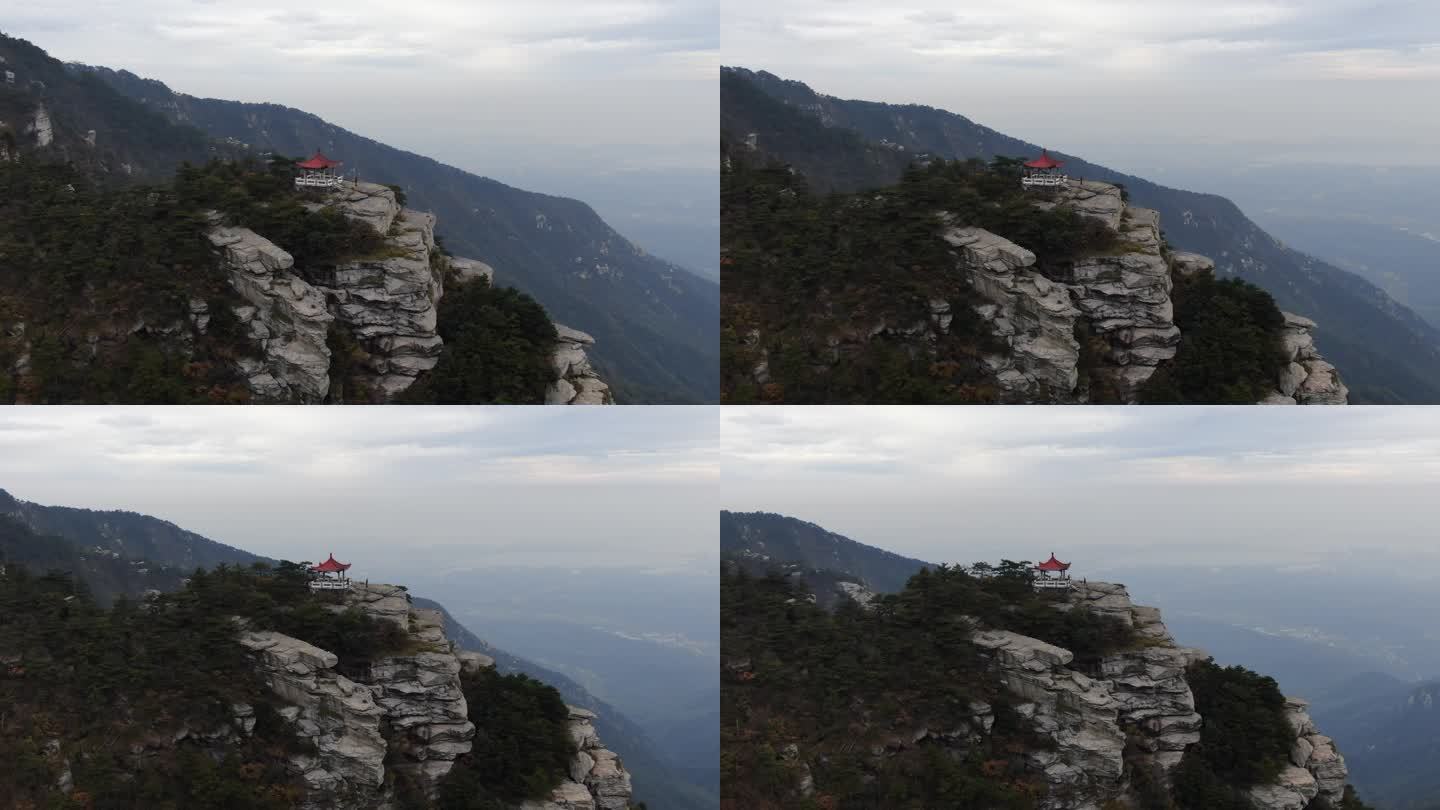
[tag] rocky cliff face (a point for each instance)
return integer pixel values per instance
(387, 302)
(1122, 297)
(598, 781)
(1032, 315)
(1140, 694)
(1308, 379)
(404, 712)
(577, 382)
(415, 698)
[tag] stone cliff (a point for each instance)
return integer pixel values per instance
(1136, 712)
(405, 713)
(1119, 302)
(1139, 696)
(1122, 297)
(387, 302)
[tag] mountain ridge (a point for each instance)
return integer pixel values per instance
(657, 317)
(118, 532)
(1386, 351)
(1008, 697)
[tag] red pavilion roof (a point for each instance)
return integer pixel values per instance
(1044, 162)
(331, 566)
(319, 161)
(1052, 564)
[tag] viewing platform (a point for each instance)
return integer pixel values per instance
(1052, 575)
(1043, 172)
(330, 576)
(329, 584)
(1053, 584)
(318, 171)
(1043, 180)
(319, 181)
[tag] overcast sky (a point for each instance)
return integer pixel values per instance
(391, 488)
(1105, 485)
(1331, 80)
(494, 87)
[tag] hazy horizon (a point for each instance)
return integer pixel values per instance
(1189, 485)
(391, 489)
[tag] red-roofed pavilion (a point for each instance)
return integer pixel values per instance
(329, 575)
(318, 171)
(1052, 574)
(1043, 171)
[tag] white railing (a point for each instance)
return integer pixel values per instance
(329, 584)
(1056, 584)
(1043, 180)
(318, 181)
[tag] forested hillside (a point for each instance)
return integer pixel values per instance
(1387, 353)
(654, 322)
(863, 297)
(906, 703)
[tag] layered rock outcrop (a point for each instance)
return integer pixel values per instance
(1308, 379)
(387, 302)
(598, 780)
(1139, 696)
(1315, 767)
(1078, 712)
(415, 698)
(285, 318)
(1122, 297)
(577, 382)
(419, 692)
(1032, 315)
(1125, 297)
(334, 714)
(404, 712)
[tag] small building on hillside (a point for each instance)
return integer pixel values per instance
(318, 171)
(1052, 575)
(1043, 172)
(330, 576)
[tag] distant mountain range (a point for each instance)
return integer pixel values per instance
(1385, 351)
(118, 553)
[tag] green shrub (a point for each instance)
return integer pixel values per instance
(1230, 350)
(522, 747)
(498, 343)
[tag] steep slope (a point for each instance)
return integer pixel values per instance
(658, 783)
(106, 573)
(248, 689)
(958, 285)
(76, 117)
(98, 549)
(126, 535)
(654, 323)
(770, 539)
(977, 691)
(234, 283)
(1388, 353)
